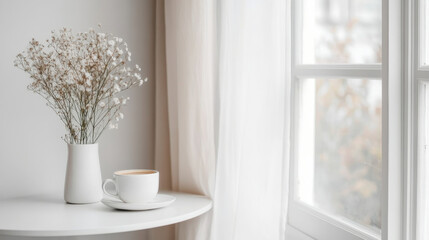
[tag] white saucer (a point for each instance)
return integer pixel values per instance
(161, 200)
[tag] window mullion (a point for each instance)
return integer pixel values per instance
(350, 71)
(422, 74)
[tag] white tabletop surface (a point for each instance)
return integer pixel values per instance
(49, 215)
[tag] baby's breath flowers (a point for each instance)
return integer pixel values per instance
(81, 76)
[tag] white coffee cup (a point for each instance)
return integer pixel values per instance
(134, 185)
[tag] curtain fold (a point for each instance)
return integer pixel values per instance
(162, 132)
(225, 82)
(190, 27)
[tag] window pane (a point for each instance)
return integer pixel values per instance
(339, 152)
(424, 32)
(341, 31)
(423, 170)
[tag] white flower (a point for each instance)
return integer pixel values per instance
(129, 58)
(116, 78)
(137, 76)
(124, 101)
(81, 88)
(140, 82)
(70, 81)
(116, 101)
(120, 40)
(114, 63)
(110, 53)
(116, 88)
(111, 42)
(120, 51)
(137, 66)
(102, 104)
(112, 126)
(121, 115)
(145, 79)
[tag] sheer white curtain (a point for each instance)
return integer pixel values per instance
(247, 201)
(225, 82)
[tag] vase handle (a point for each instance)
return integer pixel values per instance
(105, 182)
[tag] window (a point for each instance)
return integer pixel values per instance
(340, 31)
(420, 78)
(423, 34)
(423, 166)
(337, 162)
(339, 156)
(359, 120)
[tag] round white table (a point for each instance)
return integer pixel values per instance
(49, 215)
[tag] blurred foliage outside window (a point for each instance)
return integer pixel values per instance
(347, 137)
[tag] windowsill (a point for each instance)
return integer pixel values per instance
(294, 234)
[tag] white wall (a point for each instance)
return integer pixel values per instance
(32, 154)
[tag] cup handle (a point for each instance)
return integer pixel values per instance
(105, 182)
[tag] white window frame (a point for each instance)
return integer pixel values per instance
(305, 222)
(416, 77)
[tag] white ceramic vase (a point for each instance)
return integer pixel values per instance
(83, 175)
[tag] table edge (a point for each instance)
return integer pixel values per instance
(109, 230)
